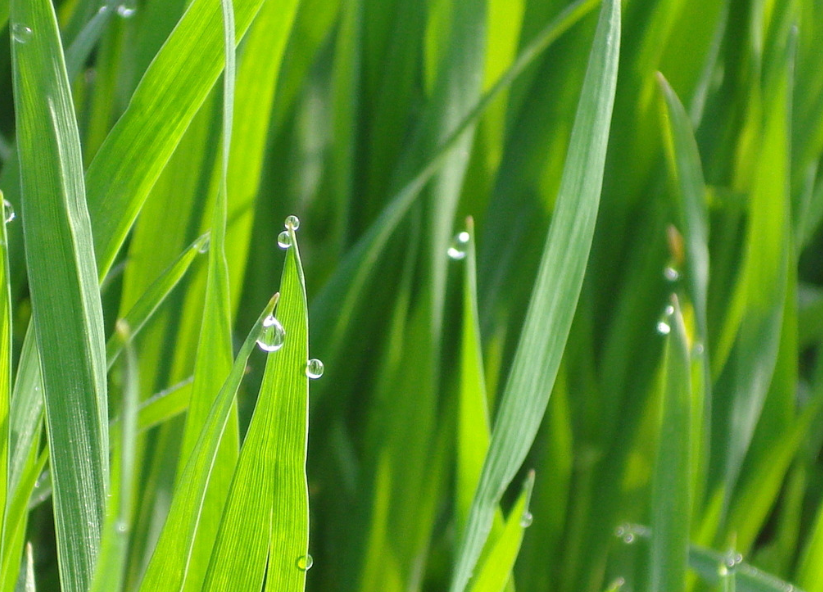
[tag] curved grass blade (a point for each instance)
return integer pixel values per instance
(266, 519)
(154, 296)
(68, 315)
(554, 297)
(169, 563)
(131, 158)
(108, 576)
(497, 567)
(672, 480)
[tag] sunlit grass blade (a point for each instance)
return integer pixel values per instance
(63, 283)
(154, 296)
(108, 576)
(555, 293)
(496, 569)
(266, 519)
(169, 563)
(173, 89)
(5, 371)
(214, 348)
(26, 583)
(710, 564)
(672, 480)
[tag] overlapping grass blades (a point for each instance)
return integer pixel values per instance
(555, 294)
(63, 282)
(264, 531)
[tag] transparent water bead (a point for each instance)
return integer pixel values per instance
(203, 243)
(273, 335)
(457, 250)
(20, 33)
(284, 240)
(292, 221)
(732, 559)
(671, 274)
(663, 328)
(8, 211)
(304, 562)
(126, 10)
(526, 519)
(314, 368)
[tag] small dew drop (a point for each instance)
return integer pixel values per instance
(663, 328)
(723, 571)
(20, 33)
(698, 349)
(293, 222)
(8, 211)
(620, 531)
(314, 368)
(126, 10)
(457, 250)
(103, 9)
(203, 244)
(628, 538)
(669, 310)
(526, 519)
(671, 274)
(273, 335)
(304, 562)
(121, 526)
(284, 240)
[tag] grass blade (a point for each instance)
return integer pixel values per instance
(5, 370)
(555, 294)
(63, 283)
(169, 563)
(672, 480)
(266, 515)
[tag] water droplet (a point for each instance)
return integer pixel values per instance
(698, 349)
(628, 538)
(126, 10)
(733, 559)
(620, 531)
(284, 240)
(457, 250)
(203, 243)
(121, 526)
(526, 519)
(304, 562)
(671, 274)
(669, 310)
(273, 335)
(20, 33)
(8, 211)
(663, 328)
(103, 9)
(292, 221)
(314, 368)
(722, 571)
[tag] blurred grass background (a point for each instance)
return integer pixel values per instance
(699, 417)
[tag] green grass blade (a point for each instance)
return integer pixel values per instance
(63, 284)
(497, 567)
(173, 89)
(708, 564)
(5, 370)
(672, 480)
(554, 297)
(266, 520)
(154, 296)
(108, 576)
(214, 349)
(26, 582)
(169, 563)
(473, 427)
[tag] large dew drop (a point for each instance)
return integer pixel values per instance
(457, 250)
(314, 368)
(8, 211)
(20, 33)
(526, 519)
(304, 562)
(273, 335)
(293, 222)
(284, 240)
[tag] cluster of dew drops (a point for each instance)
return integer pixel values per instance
(22, 34)
(274, 335)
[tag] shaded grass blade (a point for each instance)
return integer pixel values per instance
(169, 563)
(266, 519)
(554, 297)
(672, 480)
(62, 273)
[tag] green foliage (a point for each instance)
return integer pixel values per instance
(623, 337)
